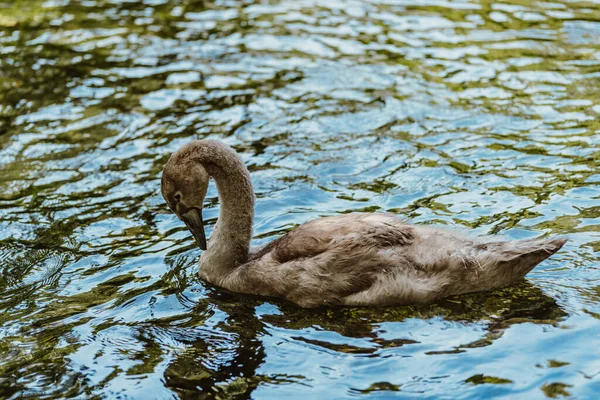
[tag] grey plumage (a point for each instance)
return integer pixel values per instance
(370, 259)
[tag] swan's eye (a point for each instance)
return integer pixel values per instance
(177, 197)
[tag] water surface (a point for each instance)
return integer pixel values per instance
(478, 114)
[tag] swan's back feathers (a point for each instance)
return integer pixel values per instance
(343, 232)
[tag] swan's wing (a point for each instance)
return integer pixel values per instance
(344, 231)
(325, 260)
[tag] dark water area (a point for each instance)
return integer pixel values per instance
(484, 115)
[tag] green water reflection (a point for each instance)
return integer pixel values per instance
(480, 114)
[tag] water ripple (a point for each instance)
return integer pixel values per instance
(476, 114)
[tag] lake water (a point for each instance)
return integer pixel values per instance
(478, 114)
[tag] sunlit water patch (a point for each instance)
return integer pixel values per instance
(482, 115)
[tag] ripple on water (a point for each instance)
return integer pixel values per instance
(479, 115)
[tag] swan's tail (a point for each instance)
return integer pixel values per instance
(509, 261)
(524, 255)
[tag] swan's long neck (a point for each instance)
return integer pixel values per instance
(229, 243)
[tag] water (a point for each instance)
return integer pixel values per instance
(483, 115)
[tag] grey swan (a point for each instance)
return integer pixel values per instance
(360, 259)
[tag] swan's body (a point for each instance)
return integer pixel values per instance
(369, 259)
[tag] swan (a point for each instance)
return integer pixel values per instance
(360, 259)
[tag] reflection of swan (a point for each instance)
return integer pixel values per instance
(235, 351)
(496, 310)
(352, 259)
(522, 302)
(217, 361)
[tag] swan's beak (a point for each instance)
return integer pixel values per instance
(193, 221)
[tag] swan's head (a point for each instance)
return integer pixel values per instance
(184, 185)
